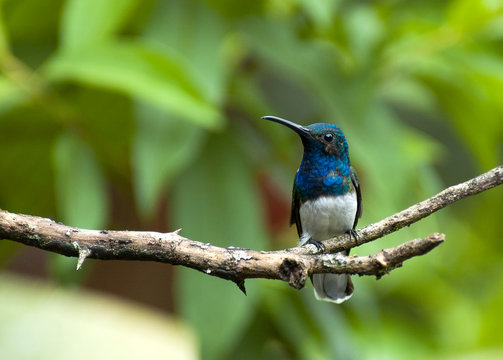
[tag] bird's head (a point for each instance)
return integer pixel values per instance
(320, 138)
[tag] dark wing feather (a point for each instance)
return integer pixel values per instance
(295, 216)
(356, 185)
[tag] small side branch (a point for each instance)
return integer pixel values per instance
(293, 265)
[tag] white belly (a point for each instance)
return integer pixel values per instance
(327, 216)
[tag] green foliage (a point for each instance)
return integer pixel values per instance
(80, 186)
(162, 147)
(159, 100)
(100, 19)
(208, 204)
(62, 324)
(138, 70)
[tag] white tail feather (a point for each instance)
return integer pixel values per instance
(335, 288)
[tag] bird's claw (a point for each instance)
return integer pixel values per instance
(353, 234)
(319, 245)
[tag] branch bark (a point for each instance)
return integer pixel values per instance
(293, 265)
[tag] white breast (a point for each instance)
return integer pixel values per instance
(327, 216)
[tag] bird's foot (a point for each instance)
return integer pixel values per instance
(319, 245)
(353, 234)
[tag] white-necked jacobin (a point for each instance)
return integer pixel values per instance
(326, 199)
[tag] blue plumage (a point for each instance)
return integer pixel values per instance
(325, 167)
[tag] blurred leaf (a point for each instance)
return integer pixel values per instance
(468, 83)
(469, 15)
(216, 202)
(140, 71)
(80, 184)
(42, 16)
(277, 44)
(88, 22)
(26, 181)
(111, 140)
(364, 30)
(10, 95)
(294, 322)
(63, 270)
(379, 162)
(64, 324)
(461, 311)
(163, 146)
(493, 29)
(405, 91)
(233, 10)
(173, 26)
(321, 12)
(337, 338)
(7, 250)
(4, 41)
(482, 354)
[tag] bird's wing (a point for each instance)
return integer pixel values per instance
(295, 216)
(356, 185)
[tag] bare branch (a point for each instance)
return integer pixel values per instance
(293, 265)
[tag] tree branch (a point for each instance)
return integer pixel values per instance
(293, 265)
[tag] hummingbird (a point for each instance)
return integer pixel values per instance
(326, 198)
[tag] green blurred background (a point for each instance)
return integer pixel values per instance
(128, 114)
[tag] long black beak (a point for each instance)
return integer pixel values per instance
(301, 130)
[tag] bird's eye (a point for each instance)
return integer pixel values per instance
(329, 137)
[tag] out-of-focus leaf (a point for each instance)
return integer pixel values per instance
(80, 184)
(482, 354)
(377, 164)
(7, 250)
(493, 29)
(140, 71)
(87, 22)
(321, 12)
(43, 17)
(26, 180)
(63, 270)
(469, 15)
(110, 140)
(387, 341)
(337, 338)
(409, 92)
(277, 44)
(232, 10)
(10, 95)
(474, 81)
(364, 30)
(172, 26)
(4, 42)
(293, 319)
(492, 306)
(461, 311)
(216, 202)
(163, 145)
(63, 324)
